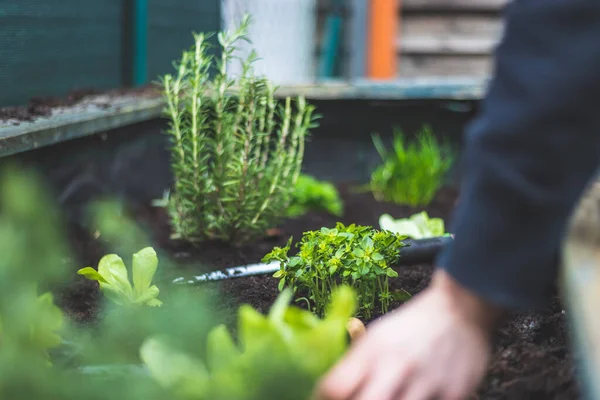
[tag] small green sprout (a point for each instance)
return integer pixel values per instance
(114, 280)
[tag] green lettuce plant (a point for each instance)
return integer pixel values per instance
(44, 320)
(114, 281)
(236, 151)
(312, 194)
(417, 226)
(359, 256)
(277, 356)
(413, 172)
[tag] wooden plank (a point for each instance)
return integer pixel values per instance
(102, 113)
(446, 45)
(446, 65)
(419, 88)
(580, 278)
(484, 26)
(455, 5)
(96, 115)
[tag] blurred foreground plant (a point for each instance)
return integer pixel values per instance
(121, 355)
(235, 156)
(30, 253)
(34, 333)
(279, 356)
(413, 173)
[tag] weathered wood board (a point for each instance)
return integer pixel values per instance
(456, 5)
(428, 65)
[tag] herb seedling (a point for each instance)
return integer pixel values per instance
(355, 255)
(312, 194)
(413, 173)
(114, 280)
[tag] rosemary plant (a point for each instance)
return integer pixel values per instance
(236, 151)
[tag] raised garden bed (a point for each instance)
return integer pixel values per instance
(255, 163)
(531, 359)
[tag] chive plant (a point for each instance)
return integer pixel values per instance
(236, 151)
(413, 172)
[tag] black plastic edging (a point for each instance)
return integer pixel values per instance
(421, 251)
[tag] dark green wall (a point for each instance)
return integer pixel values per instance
(50, 47)
(171, 23)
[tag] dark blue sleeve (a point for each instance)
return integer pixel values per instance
(529, 154)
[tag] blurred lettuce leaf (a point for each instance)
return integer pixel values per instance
(417, 226)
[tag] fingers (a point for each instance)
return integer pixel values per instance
(385, 382)
(347, 376)
(420, 389)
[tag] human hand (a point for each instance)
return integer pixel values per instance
(437, 346)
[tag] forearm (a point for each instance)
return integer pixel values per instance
(529, 154)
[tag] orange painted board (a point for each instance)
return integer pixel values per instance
(383, 30)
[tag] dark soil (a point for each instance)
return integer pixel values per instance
(531, 355)
(43, 106)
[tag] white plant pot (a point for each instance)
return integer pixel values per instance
(282, 33)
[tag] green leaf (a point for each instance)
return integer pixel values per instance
(258, 333)
(279, 274)
(222, 352)
(175, 370)
(281, 284)
(295, 261)
(145, 263)
(391, 273)
(333, 268)
(343, 304)
(277, 311)
(48, 322)
(149, 297)
(367, 242)
(91, 274)
(401, 295)
(154, 303)
(358, 252)
(299, 319)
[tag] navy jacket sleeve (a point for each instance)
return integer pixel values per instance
(530, 153)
